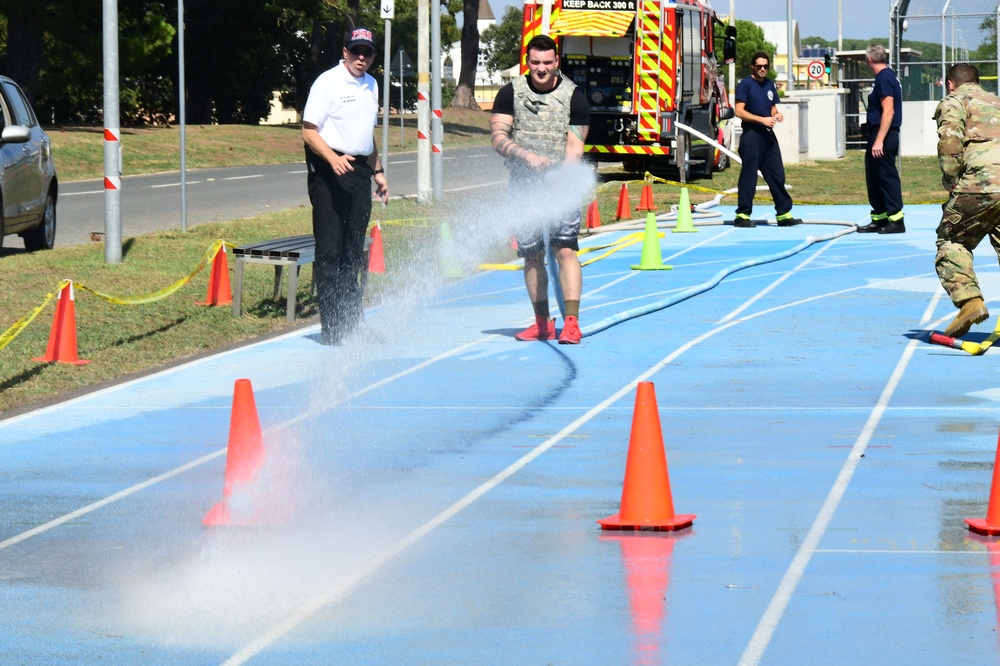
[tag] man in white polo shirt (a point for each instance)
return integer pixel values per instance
(337, 128)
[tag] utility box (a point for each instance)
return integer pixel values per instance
(827, 130)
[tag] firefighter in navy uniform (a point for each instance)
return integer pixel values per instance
(885, 116)
(757, 107)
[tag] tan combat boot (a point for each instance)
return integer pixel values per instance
(973, 311)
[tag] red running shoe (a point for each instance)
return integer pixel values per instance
(542, 329)
(571, 332)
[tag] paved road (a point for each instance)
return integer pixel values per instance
(152, 202)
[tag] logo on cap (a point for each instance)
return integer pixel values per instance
(362, 34)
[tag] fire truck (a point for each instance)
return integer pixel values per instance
(648, 69)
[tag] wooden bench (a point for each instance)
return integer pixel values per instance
(291, 252)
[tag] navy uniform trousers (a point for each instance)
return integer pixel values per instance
(759, 152)
(342, 206)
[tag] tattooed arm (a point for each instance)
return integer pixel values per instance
(576, 137)
(501, 127)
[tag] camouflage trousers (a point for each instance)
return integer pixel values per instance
(966, 220)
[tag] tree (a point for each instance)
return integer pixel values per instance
(465, 93)
(503, 41)
(25, 32)
(749, 40)
(54, 49)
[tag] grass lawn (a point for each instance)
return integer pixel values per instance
(120, 340)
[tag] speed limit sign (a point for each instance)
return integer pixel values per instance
(816, 69)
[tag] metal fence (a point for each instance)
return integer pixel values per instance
(939, 34)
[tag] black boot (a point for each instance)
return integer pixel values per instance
(872, 227)
(895, 227)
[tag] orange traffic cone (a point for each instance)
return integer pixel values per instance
(245, 454)
(991, 524)
(646, 200)
(376, 256)
(593, 215)
(646, 501)
(62, 335)
(624, 207)
(219, 291)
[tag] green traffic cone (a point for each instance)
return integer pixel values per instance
(651, 259)
(449, 264)
(684, 223)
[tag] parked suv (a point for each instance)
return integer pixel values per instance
(28, 183)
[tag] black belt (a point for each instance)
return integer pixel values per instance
(357, 157)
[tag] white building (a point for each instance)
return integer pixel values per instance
(487, 83)
(776, 32)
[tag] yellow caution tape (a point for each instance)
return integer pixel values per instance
(411, 221)
(623, 242)
(23, 322)
(651, 177)
(162, 293)
(500, 267)
(8, 336)
(620, 244)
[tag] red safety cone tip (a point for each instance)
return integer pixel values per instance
(593, 215)
(624, 206)
(376, 254)
(646, 200)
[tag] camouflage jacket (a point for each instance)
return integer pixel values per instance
(968, 127)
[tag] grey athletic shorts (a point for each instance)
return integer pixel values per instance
(562, 234)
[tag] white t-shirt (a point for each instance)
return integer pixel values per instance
(344, 109)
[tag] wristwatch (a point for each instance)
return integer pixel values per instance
(378, 171)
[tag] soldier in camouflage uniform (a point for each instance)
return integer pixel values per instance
(538, 122)
(968, 122)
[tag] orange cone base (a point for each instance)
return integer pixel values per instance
(221, 516)
(217, 515)
(44, 359)
(982, 527)
(678, 522)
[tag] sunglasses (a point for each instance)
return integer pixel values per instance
(362, 51)
(761, 66)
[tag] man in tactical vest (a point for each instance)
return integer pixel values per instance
(968, 122)
(541, 120)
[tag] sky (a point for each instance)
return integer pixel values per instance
(862, 19)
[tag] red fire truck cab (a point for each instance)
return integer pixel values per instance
(648, 69)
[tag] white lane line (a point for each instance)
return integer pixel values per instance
(108, 500)
(808, 260)
(862, 551)
(476, 187)
(341, 589)
(256, 175)
(35, 531)
(768, 623)
(190, 182)
(73, 194)
(338, 591)
(299, 171)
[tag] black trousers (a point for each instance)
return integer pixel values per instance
(885, 193)
(342, 206)
(759, 152)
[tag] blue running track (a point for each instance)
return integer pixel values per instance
(432, 488)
